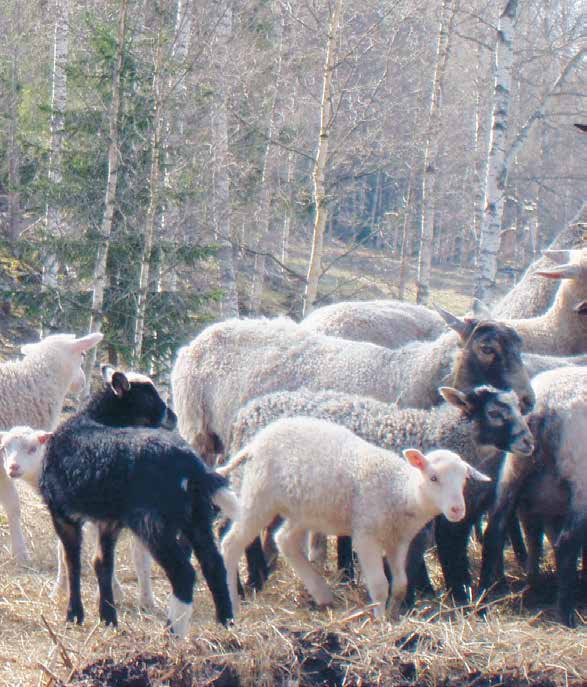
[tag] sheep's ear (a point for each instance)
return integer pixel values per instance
(568, 271)
(456, 398)
(581, 308)
(120, 384)
(416, 458)
(473, 473)
(87, 342)
(43, 437)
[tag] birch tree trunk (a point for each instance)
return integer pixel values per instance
(447, 14)
(53, 215)
(318, 173)
(109, 200)
(221, 181)
(267, 180)
(13, 152)
(495, 180)
(152, 210)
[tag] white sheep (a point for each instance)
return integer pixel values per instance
(532, 297)
(233, 361)
(561, 330)
(478, 425)
(32, 391)
(388, 323)
(380, 500)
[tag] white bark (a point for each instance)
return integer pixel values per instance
(109, 201)
(318, 173)
(447, 14)
(494, 197)
(221, 181)
(53, 215)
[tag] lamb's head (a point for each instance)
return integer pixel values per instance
(444, 474)
(130, 399)
(496, 416)
(65, 353)
(23, 449)
(491, 354)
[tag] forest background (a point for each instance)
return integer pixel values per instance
(167, 163)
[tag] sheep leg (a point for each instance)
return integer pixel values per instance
(70, 535)
(418, 578)
(202, 540)
(11, 503)
(234, 543)
(162, 543)
(116, 586)
(451, 546)
(567, 549)
(397, 556)
(534, 531)
(317, 547)
(344, 556)
(291, 542)
(369, 553)
(104, 568)
(517, 540)
(258, 570)
(60, 584)
(142, 562)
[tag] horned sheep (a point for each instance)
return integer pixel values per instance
(234, 361)
(381, 500)
(478, 425)
(32, 392)
(128, 477)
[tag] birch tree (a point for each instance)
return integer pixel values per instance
(99, 277)
(53, 215)
(221, 181)
(319, 171)
(495, 180)
(447, 14)
(13, 152)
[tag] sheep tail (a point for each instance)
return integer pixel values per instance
(228, 503)
(240, 457)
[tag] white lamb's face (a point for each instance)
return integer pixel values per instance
(23, 452)
(444, 475)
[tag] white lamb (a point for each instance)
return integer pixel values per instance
(32, 391)
(380, 500)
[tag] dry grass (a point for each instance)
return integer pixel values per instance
(279, 638)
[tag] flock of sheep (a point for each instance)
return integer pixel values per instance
(366, 421)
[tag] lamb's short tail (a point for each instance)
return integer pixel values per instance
(240, 457)
(228, 503)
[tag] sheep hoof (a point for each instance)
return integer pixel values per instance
(147, 604)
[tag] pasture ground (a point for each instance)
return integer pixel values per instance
(279, 638)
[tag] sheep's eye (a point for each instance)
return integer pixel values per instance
(31, 450)
(434, 478)
(494, 414)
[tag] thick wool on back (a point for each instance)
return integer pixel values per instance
(560, 422)
(381, 424)
(94, 471)
(560, 330)
(32, 390)
(386, 323)
(532, 295)
(234, 361)
(295, 462)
